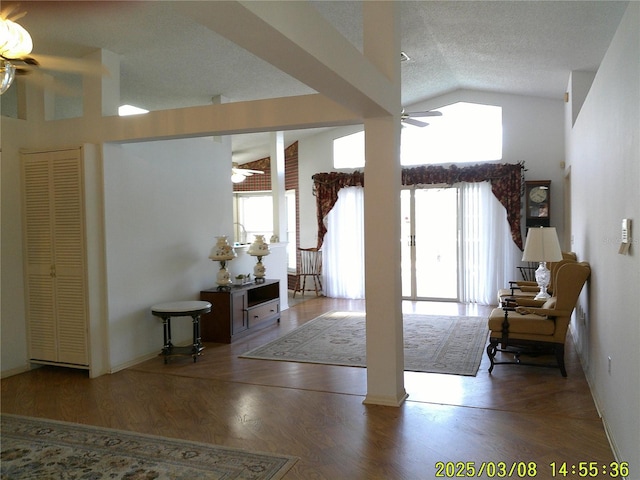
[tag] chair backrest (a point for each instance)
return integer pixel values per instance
(554, 266)
(310, 261)
(570, 278)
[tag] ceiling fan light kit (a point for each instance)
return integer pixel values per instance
(7, 74)
(15, 49)
(15, 43)
(239, 175)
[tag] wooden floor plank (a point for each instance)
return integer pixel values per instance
(316, 412)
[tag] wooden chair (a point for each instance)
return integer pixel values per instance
(526, 330)
(309, 265)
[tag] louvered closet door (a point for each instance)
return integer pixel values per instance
(56, 263)
(39, 259)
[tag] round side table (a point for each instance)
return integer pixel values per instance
(191, 308)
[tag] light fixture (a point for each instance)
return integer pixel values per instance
(222, 252)
(542, 246)
(15, 41)
(7, 74)
(238, 177)
(259, 248)
(15, 44)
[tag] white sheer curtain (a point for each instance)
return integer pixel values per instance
(489, 256)
(343, 247)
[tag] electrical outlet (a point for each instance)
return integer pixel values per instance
(609, 365)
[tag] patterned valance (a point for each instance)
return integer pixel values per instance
(325, 188)
(506, 184)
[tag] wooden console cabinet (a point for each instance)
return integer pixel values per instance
(240, 310)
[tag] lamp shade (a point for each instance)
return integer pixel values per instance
(542, 245)
(222, 251)
(259, 248)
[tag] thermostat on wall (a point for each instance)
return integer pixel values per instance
(625, 237)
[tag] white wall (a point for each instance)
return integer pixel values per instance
(603, 153)
(14, 328)
(165, 201)
(159, 222)
(533, 132)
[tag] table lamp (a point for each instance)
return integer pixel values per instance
(222, 252)
(259, 248)
(542, 246)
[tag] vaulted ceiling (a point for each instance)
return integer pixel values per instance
(170, 60)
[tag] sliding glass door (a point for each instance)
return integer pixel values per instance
(430, 243)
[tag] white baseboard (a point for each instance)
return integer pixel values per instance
(15, 371)
(133, 362)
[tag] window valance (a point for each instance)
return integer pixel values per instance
(506, 184)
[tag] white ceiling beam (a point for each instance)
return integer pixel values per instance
(286, 113)
(295, 38)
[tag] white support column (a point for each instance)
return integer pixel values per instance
(35, 103)
(278, 189)
(102, 93)
(385, 349)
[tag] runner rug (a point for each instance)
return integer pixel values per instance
(432, 343)
(35, 448)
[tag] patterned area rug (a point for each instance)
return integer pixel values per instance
(436, 344)
(34, 448)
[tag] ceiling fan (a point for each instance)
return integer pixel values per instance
(15, 59)
(239, 175)
(408, 118)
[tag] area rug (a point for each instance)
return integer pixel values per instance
(435, 344)
(35, 448)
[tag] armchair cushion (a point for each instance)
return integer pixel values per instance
(531, 324)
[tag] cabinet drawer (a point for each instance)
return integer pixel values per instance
(262, 312)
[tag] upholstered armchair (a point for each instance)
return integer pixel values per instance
(536, 330)
(529, 289)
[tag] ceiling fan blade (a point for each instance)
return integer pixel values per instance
(71, 65)
(431, 113)
(8, 13)
(246, 171)
(415, 123)
(48, 83)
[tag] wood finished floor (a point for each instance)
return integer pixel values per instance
(315, 412)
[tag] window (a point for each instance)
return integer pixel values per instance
(466, 132)
(254, 216)
(290, 197)
(348, 151)
(253, 213)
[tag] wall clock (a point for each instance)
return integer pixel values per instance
(538, 203)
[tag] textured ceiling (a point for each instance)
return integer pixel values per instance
(169, 61)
